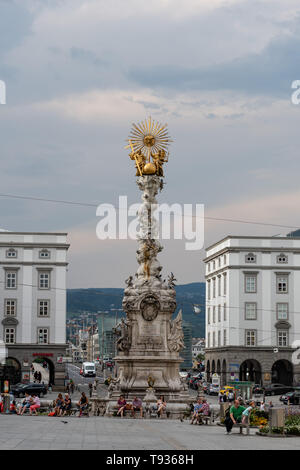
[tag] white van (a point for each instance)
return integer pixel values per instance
(88, 369)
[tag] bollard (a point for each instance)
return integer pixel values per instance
(276, 419)
(6, 403)
(223, 408)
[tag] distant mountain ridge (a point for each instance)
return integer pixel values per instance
(94, 300)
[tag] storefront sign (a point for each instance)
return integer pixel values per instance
(42, 354)
(25, 377)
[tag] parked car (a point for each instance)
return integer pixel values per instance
(213, 390)
(284, 398)
(277, 389)
(19, 390)
(292, 397)
(197, 376)
(109, 364)
(226, 389)
(183, 374)
(257, 389)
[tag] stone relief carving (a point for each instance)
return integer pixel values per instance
(149, 343)
(150, 307)
(175, 337)
(123, 330)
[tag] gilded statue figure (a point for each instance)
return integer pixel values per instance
(140, 161)
(149, 141)
(159, 159)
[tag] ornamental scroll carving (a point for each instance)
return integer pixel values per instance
(176, 337)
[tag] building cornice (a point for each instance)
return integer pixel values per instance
(249, 348)
(243, 237)
(59, 234)
(14, 265)
(237, 249)
(277, 269)
(10, 244)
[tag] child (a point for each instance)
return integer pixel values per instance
(247, 411)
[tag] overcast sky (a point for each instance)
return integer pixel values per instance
(79, 72)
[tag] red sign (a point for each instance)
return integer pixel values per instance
(43, 354)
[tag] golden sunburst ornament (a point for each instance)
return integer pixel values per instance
(149, 137)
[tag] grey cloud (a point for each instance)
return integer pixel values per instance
(268, 73)
(15, 24)
(86, 56)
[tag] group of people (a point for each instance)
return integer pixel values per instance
(240, 413)
(70, 387)
(226, 396)
(137, 405)
(63, 405)
(37, 376)
(30, 403)
(201, 409)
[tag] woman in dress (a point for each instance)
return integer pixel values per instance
(121, 405)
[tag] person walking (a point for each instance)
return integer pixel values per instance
(230, 396)
(90, 389)
(262, 406)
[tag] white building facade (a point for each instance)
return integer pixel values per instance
(253, 308)
(33, 300)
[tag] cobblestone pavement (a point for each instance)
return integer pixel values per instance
(43, 432)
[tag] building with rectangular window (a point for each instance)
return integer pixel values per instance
(253, 318)
(33, 300)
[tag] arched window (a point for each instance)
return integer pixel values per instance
(44, 254)
(11, 253)
(282, 258)
(250, 258)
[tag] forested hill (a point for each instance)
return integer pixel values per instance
(108, 299)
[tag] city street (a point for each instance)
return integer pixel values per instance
(72, 372)
(43, 432)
